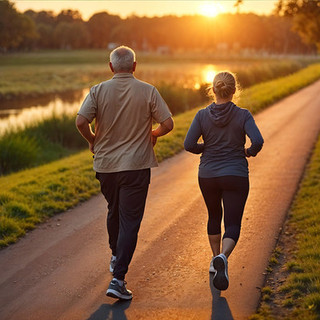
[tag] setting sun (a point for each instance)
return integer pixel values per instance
(208, 74)
(210, 9)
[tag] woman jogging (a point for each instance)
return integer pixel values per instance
(223, 169)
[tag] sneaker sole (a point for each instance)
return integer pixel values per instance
(111, 269)
(115, 294)
(220, 281)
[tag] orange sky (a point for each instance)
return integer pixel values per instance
(148, 7)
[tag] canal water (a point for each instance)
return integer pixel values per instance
(19, 113)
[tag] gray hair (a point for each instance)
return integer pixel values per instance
(122, 59)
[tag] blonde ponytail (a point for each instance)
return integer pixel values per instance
(224, 84)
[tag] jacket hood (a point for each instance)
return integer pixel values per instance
(221, 114)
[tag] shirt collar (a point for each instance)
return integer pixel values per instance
(123, 75)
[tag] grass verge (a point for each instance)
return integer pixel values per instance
(293, 287)
(262, 95)
(30, 196)
(51, 139)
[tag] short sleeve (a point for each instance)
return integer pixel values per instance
(88, 108)
(159, 109)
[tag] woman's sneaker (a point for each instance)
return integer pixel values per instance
(221, 280)
(211, 268)
(117, 291)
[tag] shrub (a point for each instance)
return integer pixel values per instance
(17, 152)
(180, 99)
(9, 230)
(59, 130)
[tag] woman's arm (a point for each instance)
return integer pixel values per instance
(255, 136)
(191, 141)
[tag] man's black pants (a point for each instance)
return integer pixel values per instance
(126, 194)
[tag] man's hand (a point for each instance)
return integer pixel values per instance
(163, 128)
(91, 146)
(153, 139)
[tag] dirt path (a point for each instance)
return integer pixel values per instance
(60, 270)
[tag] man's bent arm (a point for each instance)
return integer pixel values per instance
(84, 128)
(163, 128)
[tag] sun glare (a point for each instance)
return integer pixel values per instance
(208, 74)
(210, 9)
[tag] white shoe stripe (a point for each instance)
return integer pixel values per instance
(119, 295)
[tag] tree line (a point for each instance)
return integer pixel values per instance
(274, 33)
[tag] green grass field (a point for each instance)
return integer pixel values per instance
(298, 297)
(23, 81)
(29, 197)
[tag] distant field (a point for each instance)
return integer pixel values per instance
(39, 73)
(97, 56)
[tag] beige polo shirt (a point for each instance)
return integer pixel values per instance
(123, 108)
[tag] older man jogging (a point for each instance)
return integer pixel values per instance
(123, 108)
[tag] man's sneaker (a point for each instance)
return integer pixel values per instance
(112, 263)
(211, 268)
(118, 292)
(221, 280)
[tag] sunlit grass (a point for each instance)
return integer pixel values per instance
(305, 217)
(23, 81)
(261, 95)
(301, 289)
(39, 143)
(31, 196)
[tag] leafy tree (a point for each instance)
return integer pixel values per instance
(45, 32)
(100, 26)
(69, 16)
(42, 17)
(226, 33)
(15, 28)
(305, 15)
(69, 35)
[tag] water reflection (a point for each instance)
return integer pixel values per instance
(24, 112)
(187, 75)
(15, 106)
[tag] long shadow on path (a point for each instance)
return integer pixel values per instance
(114, 311)
(220, 307)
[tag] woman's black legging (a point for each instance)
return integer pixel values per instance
(232, 191)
